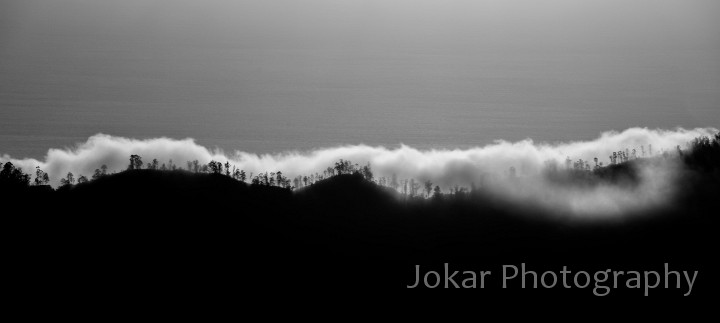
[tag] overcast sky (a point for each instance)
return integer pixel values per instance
(79, 67)
(459, 24)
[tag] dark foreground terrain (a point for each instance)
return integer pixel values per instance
(157, 234)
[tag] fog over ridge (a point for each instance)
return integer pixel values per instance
(444, 167)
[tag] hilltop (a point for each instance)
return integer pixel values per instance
(152, 227)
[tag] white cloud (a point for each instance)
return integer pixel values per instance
(442, 167)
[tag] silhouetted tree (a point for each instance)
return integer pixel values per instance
(135, 162)
(428, 188)
(280, 179)
(215, 167)
(82, 179)
(7, 171)
(97, 174)
(437, 193)
(13, 176)
(100, 172)
(68, 180)
(704, 154)
(340, 167)
(41, 177)
(367, 172)
(271, 178)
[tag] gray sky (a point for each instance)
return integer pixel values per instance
(275, 75)
(455, 24)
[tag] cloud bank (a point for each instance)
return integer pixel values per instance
(445, 168)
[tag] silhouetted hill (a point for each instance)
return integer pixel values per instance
(150, 187)
(348, 191)
(182, 232)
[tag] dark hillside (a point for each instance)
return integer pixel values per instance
(207, 233)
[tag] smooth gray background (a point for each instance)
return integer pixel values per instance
(266, 76)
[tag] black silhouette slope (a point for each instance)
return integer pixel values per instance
(180, 231)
